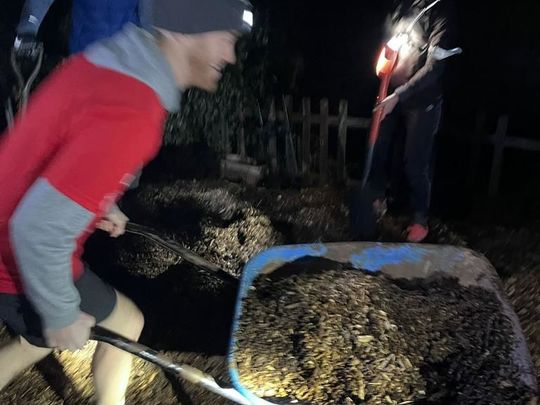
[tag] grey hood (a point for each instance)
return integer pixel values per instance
(133, 52)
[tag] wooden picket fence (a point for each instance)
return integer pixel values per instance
(304, 141)
(500, 140)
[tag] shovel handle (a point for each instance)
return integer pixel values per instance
(184, 253)
(184, 371)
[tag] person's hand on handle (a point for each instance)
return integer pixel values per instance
(387, 105)
(72, 337)
(114, 222)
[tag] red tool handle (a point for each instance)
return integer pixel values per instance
(385, 67)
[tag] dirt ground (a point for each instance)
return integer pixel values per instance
(188, 312)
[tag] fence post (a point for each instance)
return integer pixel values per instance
(306, 135)
(272, 141)
(498, 154)
(342, 141)
(323, 165)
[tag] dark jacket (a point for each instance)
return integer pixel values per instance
(93, 20)
(418, 76)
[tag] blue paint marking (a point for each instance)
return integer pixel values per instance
(373, 259)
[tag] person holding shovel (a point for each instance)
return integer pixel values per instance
(91, 125)
(415, 104)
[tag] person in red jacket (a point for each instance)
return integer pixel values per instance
(89, 128)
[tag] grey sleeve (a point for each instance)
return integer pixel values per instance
(43, 232)
(33, 13)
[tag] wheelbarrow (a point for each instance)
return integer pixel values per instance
(394, 260)
(397, 261)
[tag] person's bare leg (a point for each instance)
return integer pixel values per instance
(111, 367)
(16, 356)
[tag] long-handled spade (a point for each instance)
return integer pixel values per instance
(363, 216)
(184, 253)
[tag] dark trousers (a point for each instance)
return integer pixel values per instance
(421, 124)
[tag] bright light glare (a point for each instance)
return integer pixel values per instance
(397, 41)
(381, 62)
(248, 18)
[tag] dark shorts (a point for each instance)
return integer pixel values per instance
(97, 299)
